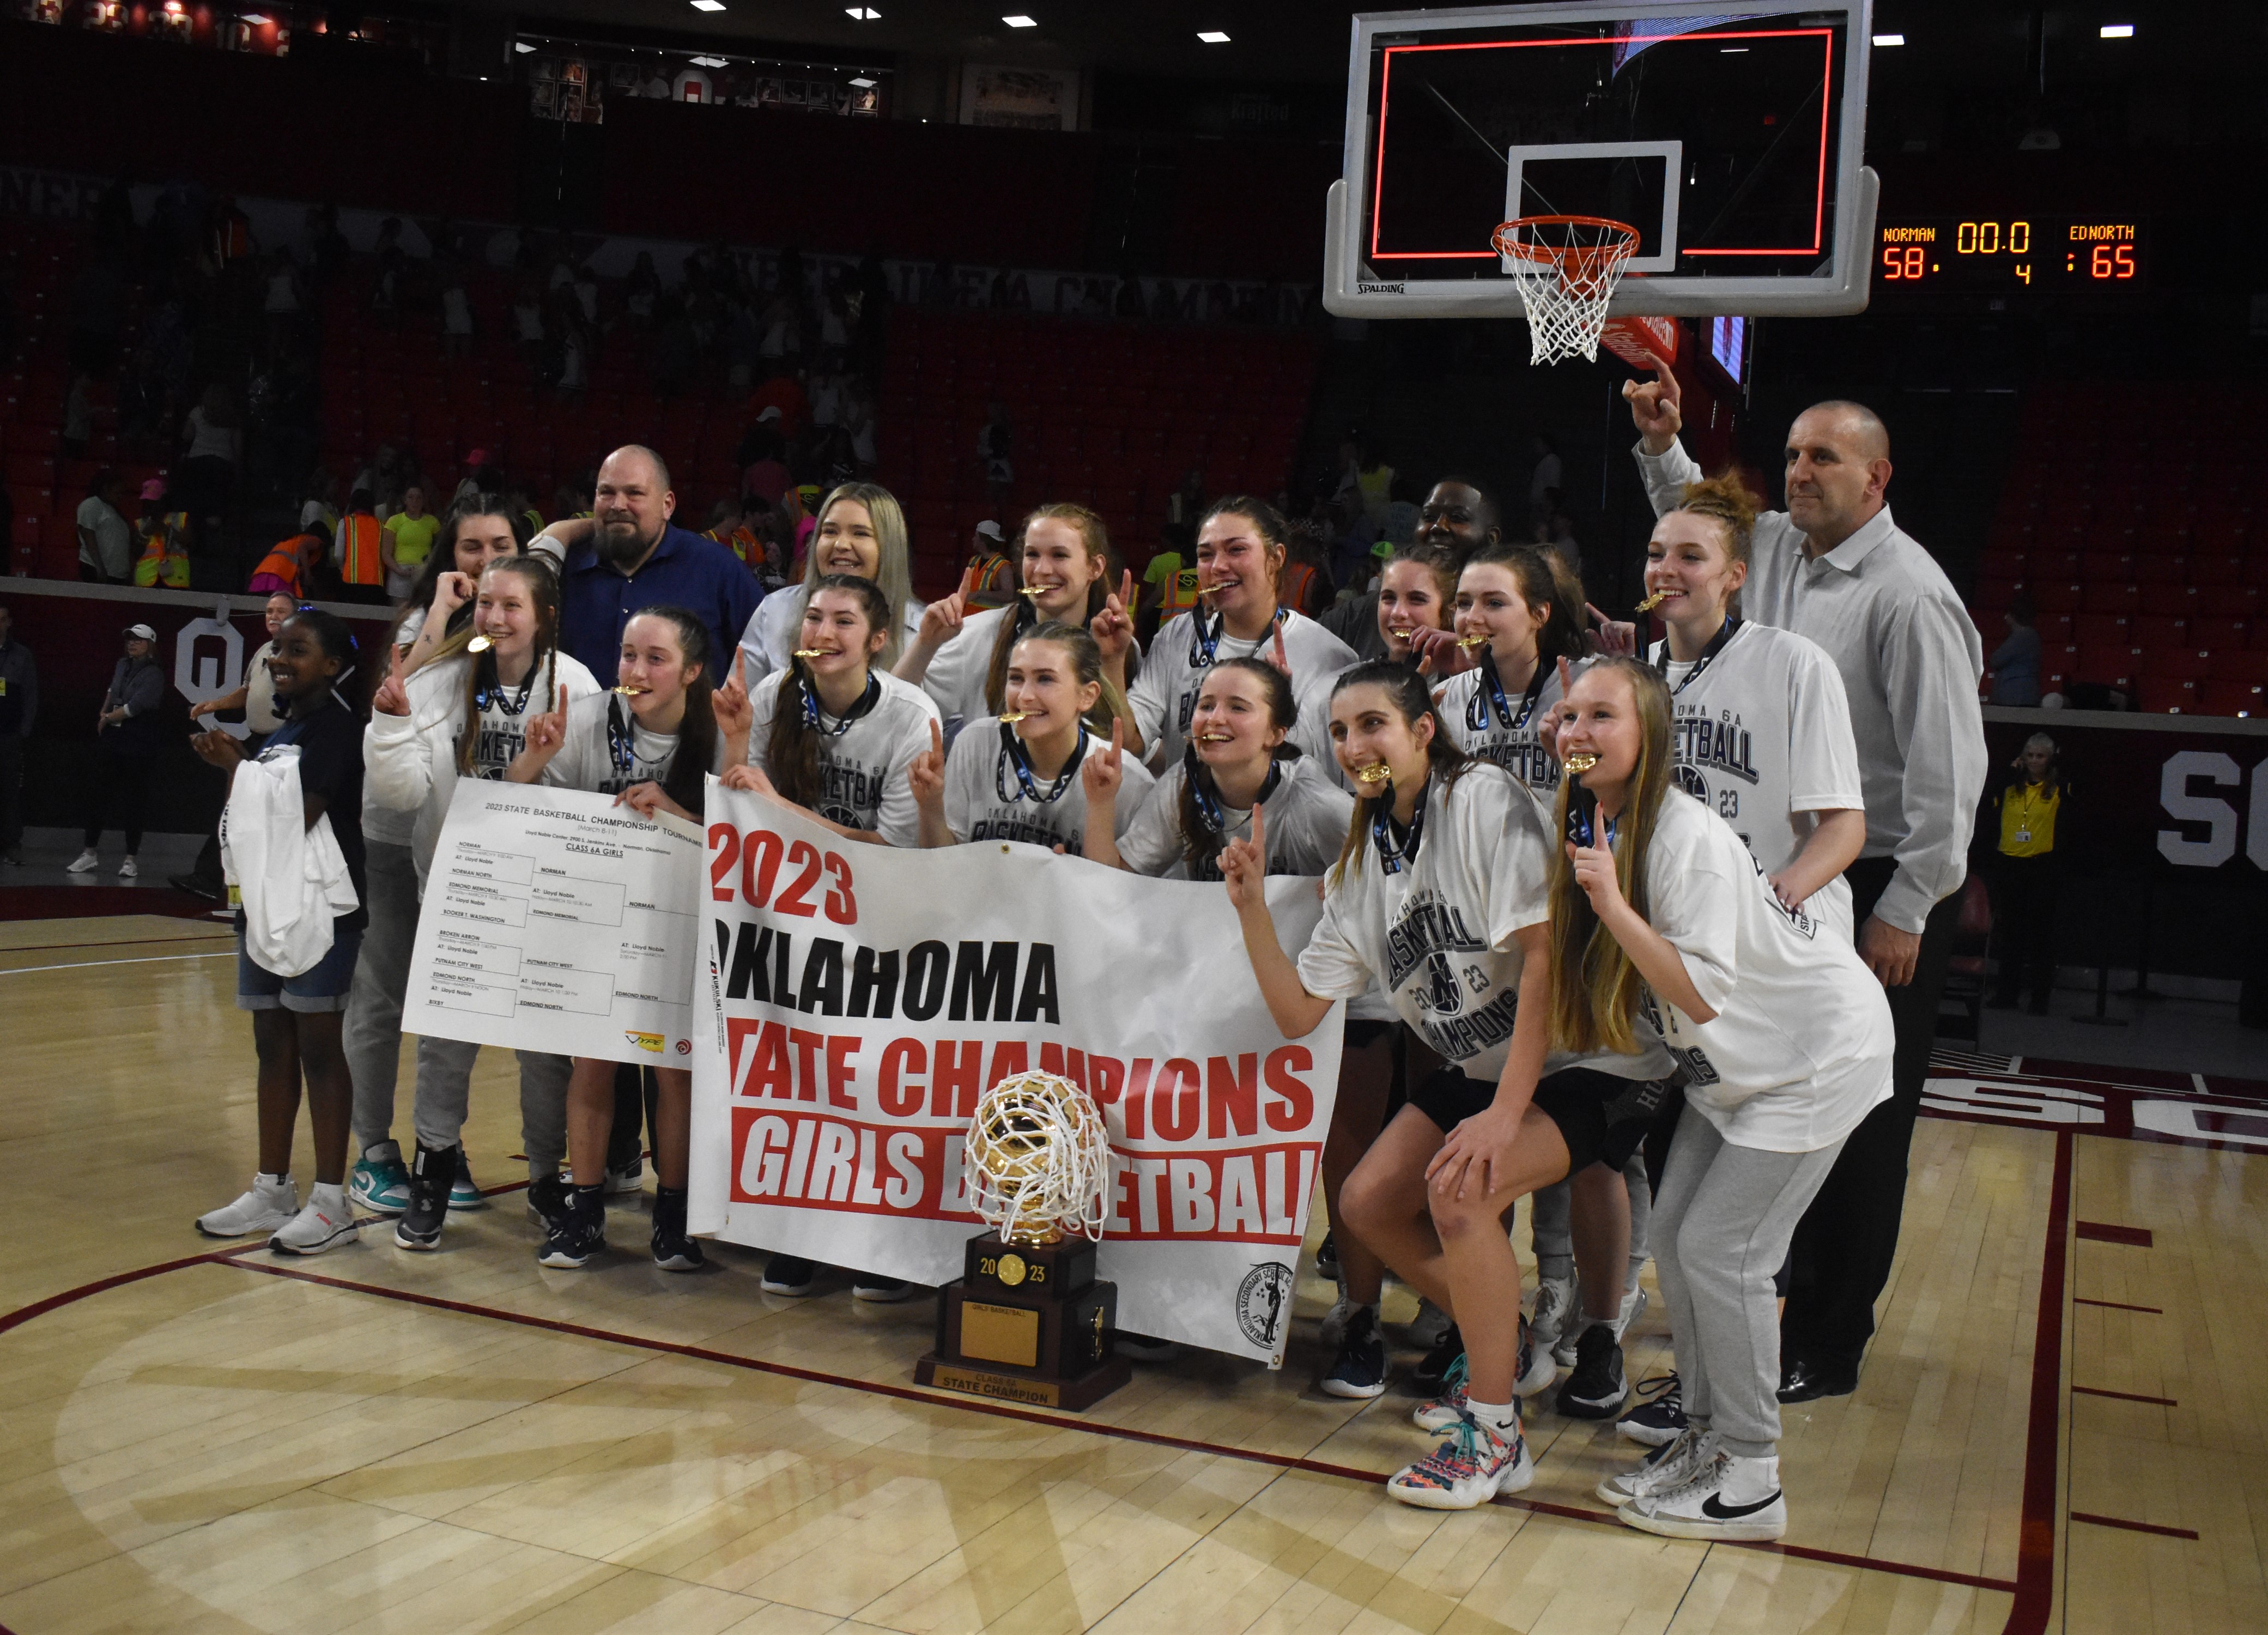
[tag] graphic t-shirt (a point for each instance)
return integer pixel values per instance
(606, 751)
(1800, 1049)
(863, 757)
(1304, 817)
(984, 799)
(1499, 725)
(1761, 730)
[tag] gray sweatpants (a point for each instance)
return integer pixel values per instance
(1550, 1222)
(372, 1037)
(1723, 1222)
(445, 1077)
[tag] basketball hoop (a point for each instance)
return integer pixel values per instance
(1566, 268)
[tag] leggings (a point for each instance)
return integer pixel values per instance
(1721, 1227)
(121, 791)
(1551, 1223)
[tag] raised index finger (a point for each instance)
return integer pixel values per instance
(967, 581)
(936, 739)
(562, 698)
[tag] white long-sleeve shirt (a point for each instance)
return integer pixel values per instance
(1911, 661)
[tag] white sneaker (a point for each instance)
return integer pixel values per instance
(1670, 1465)
(82, 863)
(1555, 1303)
(272, 1202)
(321, 1226)
(127, 871)
(1702, 1507)
(1332, 1331)
(1427, 1329)
(1634, 1304)
(1472, 1467)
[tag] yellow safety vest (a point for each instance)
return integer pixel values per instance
(2028, 819)
(160, 564)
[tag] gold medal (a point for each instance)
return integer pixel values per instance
(1376, 773)
(1010, 1269)
(1010, 718)
(1478, 639)
(1032, 591)
(811, 652)
(628, 691)
(1579, 764)
(1654, 601)
(479, 645)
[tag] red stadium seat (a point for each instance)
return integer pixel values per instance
(2157, 634)
(2103, 630)
(2110, 596)
(2116, 667)
(2220, 635)
(2217, 570)
(2233, 698)
(2237, 665)
(2181, 663)
(2170, 601)
(2163, 694)
(2060, 596)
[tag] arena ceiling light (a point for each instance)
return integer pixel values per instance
(1020, 21)
(1889, 40)
(862, 14)
(522, 47)
(862, 82)
(256, 18)
(708, 5)
(1212, 36)
(2118, 31)
(708, 62)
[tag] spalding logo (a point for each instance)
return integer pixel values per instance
(644, 1042)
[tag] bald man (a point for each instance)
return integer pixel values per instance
(1458, 516)
(628, 555)
(1834, 567)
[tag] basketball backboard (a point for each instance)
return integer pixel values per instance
(1731, 142)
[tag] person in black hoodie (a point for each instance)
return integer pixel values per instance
(128, 738)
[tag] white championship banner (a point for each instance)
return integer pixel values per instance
(856, 1000)
(556, 920)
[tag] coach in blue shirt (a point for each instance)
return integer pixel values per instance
(627, 557)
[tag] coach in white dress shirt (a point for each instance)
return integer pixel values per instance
(1834, 567)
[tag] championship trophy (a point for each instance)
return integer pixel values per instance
(1028, 1321)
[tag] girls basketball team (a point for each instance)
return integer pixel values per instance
(1586, 910)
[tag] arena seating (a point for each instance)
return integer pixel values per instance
(38, 259)
(1112, 414)
(2142, 543)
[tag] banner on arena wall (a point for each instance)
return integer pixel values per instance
(856, 1000)
(556, 920)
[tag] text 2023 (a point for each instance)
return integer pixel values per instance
(760, 854)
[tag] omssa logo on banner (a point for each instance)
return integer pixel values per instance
(854, 1001)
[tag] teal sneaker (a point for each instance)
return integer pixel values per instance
(381, 1181)
(465, 1192)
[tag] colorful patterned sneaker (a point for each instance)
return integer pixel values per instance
(1449, 1407)
(1669, 1466)
(321, 1226)
(1703, 1507)
(465, 1192)
(1659, 1416)
(273, 1201)
(1359, 1370)
(1472, 1466)
(381, 1181)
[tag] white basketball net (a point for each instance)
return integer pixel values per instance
(1038, 1159)
(1566, 268)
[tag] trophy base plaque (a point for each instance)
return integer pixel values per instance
(1029, 1323)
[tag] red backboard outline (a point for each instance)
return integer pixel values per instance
(1825, 36)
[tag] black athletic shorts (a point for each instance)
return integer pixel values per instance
(1601, 1118)
(1361, 1034)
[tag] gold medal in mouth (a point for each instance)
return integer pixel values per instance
(628, 691)
(1654, 601)
(1376, 773)
(1580, 763)
(1011, 716)
(1033, 591)
(1479, 639)
(1214, 738)
(479, 645)
(812, 653)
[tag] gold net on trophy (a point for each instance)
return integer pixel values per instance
(1039, 1160)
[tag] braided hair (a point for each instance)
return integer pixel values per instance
(791, 747)
(480, 674)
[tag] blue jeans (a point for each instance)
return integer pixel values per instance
(323, 988)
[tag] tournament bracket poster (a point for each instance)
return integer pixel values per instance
(853, 1001)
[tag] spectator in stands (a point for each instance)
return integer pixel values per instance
(19, 703)
(1168, 580)
(2015, 663)
(728, 525)
(995, 570)
(128, 734)
(1306, 586)
(456, 315)
(289, 566)
(212, 450)
(765, 473)
(106, 539)
(629, 555)
(318, 503)
(2026, 876)
(359, 546)
(781, 390)
(164, 536)
(407, 542)
(858, 423)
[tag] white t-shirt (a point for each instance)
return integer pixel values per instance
(589, 757)
(1506, 736)
(861, 766)
(1307, 819)
(984, 801)
(260, 693)
(1437, 934)
(113, 538)
(956, 676)
(1800, 1046)
(209, 441)
(1164, 695)
(1762, 738)
(770, 639)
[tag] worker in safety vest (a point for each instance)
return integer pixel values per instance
(728, 526)
(285, 568)
(362, 570)
(164, 558)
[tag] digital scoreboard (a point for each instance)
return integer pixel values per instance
(2012, 256)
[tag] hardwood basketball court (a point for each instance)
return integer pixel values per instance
(2060, 1427)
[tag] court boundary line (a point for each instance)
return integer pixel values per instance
(2032, 1589)
(88, 965)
